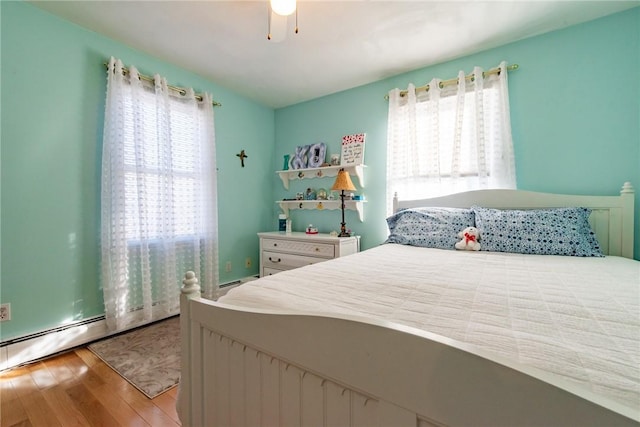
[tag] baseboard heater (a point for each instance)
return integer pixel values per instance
(27, 348)
(36, 346)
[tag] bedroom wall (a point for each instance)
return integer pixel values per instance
(53, 93)
(574, 110)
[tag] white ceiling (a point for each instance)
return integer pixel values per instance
(341, 44)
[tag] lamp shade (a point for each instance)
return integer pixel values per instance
(343, 182)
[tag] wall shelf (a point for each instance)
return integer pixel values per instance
(354, 205)
(291, 174)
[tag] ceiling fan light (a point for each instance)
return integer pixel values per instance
(283, 7)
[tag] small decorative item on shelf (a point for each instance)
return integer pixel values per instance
(300, 195)
(358, 197)
(311, 229)
(300, 157)
(317, 153)
(335, 160)
(310, 194)
(286, 162)
(321, 194)
(334, 233)
(282, 223)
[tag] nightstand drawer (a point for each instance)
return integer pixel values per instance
(270, 271)
(326, 250)
(284, 261)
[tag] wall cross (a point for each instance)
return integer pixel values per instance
(242, 157)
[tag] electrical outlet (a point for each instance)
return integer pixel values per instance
(227, 267)
(247, 262)
(5, 312)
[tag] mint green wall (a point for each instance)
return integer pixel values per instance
(574, 109)
(53, 89)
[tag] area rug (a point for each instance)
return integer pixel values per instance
(147, 357)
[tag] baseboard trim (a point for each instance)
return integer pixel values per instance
(50, 342)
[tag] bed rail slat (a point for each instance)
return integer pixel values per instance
(270, 389)
(253, 386)
(290, 414)
(312, 393)
(338, 405)
(237, 384)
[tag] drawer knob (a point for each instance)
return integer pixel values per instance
(275, 244)
(274, 260)
(317, 249)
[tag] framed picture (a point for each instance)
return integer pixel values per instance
(352, 149)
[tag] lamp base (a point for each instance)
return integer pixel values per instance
(344, 234)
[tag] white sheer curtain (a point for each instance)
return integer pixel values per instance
(159, 209)
(451, 138)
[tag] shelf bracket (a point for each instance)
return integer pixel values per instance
(284, 176)
(284, 206)
(359, 171)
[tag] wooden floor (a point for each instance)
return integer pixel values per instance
(78, 389)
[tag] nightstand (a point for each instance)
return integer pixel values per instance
(286, 251)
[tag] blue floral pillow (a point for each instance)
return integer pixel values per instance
(428, 227)
(558, 231)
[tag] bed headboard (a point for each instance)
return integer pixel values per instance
(611, 216)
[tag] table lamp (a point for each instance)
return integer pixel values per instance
(343, 183)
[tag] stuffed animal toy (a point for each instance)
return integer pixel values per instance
(469, 242)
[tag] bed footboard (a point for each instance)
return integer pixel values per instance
(249, 367)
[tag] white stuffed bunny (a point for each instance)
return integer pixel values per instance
(469, 242)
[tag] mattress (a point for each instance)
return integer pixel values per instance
(578, 318)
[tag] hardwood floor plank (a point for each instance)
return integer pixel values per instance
(89, 357)
(41, 375)
(25, 423)
(11, 410)
(167, 402)
(59, 370)
(90, 407)
(82, 371)
(7, 392)
(23, 383)
(75, 364)
(38, 410)
(118, 407)
(173, 392)
(64, 407)
(147, 409)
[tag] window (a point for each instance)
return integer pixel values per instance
(450, 138)
(152, 168)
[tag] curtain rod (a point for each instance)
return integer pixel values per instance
(470, 77)
(180, 90)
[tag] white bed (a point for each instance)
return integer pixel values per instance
(399, 335)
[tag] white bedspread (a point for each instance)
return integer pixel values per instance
(575, 317)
